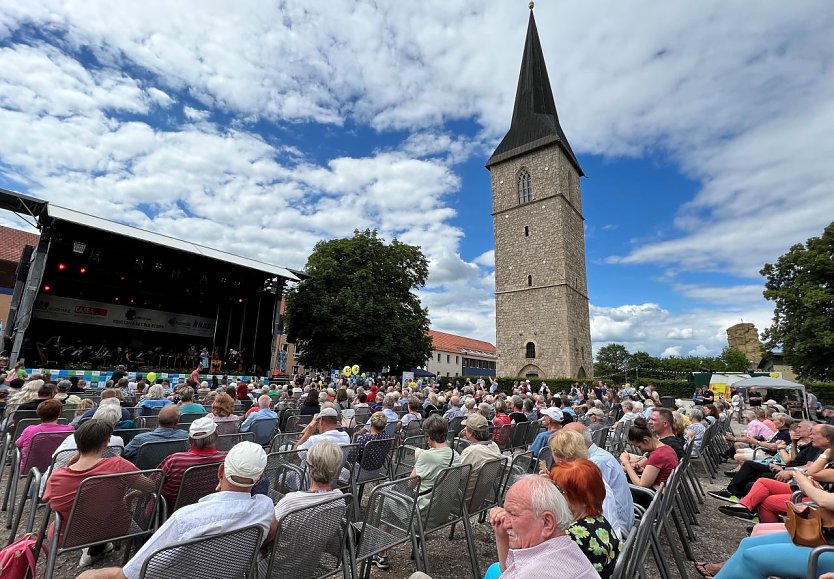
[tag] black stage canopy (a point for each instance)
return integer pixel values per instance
(97, 293)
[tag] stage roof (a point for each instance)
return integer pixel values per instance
(18, 203)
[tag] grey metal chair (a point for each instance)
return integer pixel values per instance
(231, 554)
(128, 434)
(38, 459)
(405, 456)
(814, 560)
(322, 530)
(197, 482)
(521, 465)
(446, 506)
(387, 522)
(264, 430)
(106, 508)
(284, 441)
(151, 454)
(225, 442)
(286, 472)
(190, 417)
(600, 436)
(372, 467)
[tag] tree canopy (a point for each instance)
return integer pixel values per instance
(615, 364)
(801, 285)
(358, 306)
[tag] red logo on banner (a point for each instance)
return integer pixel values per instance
(90, 311)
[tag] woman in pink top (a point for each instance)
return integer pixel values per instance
(661, 459)
(49, 411)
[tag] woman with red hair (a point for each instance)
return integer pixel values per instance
(580, 481)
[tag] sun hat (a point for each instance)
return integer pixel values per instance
(201, 428)
(554, 414)
(246, 460)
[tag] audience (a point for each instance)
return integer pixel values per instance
(169, 417)
(221, 414)
(49, 411)
(264, 412)
(154, 399)
(660, 462)
(202, 436)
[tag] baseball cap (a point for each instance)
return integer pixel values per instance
(201, 428)
(476, 422)
(553, 413)
(245, 460)
(328, 412)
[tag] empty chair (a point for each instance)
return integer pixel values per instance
(128, 434)
(387, 522)
(264, 430)
(190, 417)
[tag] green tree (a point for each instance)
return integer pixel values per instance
(801, 285)
(358, 306)
(731, 360)
(611, 362)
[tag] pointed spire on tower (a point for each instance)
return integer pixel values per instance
(535, 122)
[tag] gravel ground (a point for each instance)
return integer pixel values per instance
(718, 536)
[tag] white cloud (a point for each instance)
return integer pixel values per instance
(737, 94)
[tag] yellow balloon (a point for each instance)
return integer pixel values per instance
(355, 369)
(151, 376)
(363, 375)
(774, 375)
(346, 370)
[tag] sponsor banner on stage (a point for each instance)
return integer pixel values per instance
(96, 378)
(63, 309)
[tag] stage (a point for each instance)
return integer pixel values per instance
(94, 294)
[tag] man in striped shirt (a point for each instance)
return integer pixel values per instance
(202, 436)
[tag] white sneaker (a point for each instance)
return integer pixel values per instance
(87, 559)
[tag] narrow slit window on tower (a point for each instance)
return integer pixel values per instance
(531, 350)
(526, 231)
(529, 281)
(525, 187)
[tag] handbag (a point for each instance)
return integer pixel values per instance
(806, 524)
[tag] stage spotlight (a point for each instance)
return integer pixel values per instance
(47, 288)
(240, 300)
(116, 298)
(61, 267)
(83, 270)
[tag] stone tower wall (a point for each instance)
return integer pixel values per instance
(745, 337)
(553, 312)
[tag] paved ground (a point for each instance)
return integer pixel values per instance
(718, 536)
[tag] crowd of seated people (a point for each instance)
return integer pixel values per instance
(534, 527)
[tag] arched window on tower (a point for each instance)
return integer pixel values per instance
(530, 350)
(529, 281)
(525, 187)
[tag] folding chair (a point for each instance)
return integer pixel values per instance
(225, 442)
(546, 456)
(190, 417)
(456, 425)
(128, 434)
(321, 529)
(533, 429)
(405, 456)
(445, 506)
(151, 422)
(814, 560)
(229, 554)
(387, 522)
(501, 437)
(151, 454)
(111, 507)
(286, 472)
(413, 428)
(284, 441)
(373, 467)
(197, 482)
(38, 459)
(264, 430)
(600, 436)
(518, 435)
(12, 433)
(522, 464)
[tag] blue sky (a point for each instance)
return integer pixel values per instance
(259, 128)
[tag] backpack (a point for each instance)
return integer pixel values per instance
(17, 560)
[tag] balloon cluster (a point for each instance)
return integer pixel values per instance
(151, 376)
(351, 370)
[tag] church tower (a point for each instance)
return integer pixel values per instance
(541, 288)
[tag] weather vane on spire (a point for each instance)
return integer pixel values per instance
(531, 5)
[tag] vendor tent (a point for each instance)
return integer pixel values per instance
(768, 383)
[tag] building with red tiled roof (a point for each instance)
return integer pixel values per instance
(12, 242)
(454, 355)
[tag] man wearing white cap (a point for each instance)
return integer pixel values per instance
(552, 419)
(323, 426)
(229, 509)
(202, 436)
